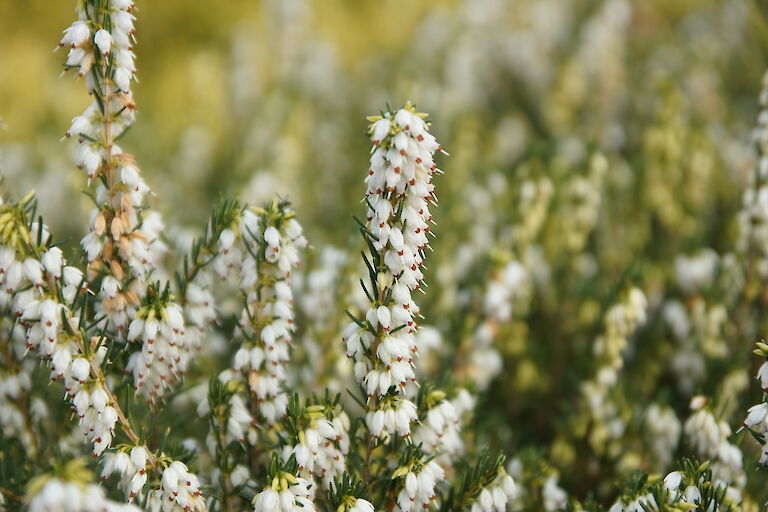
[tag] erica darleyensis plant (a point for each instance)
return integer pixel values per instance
(587, 304)
(119, 337)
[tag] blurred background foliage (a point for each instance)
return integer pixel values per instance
(261, 97)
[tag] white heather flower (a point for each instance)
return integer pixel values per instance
(673, 480)
(52, 261)
(361, 505)
(73, 496)
(756, 415)
(76, 34)
(103, 41)
(289, 494)
(33, 271)
(419, 490)
(164, 355)
(762, 376)
(239, 475)
(109, 287)
(79, 369)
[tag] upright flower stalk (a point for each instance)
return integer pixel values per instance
(620, 322)
(117, 247)
(753, 217)
(708, 436)
(121, 246)
(121, 251)
(397, 228)
(272, 238)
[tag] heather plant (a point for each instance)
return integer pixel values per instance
(568, 328)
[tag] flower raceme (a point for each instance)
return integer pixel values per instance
(399, 192)
(164, 355)
(271, 238)
(121, 245)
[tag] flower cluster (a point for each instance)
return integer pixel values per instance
(287, 493)
(180, 490)
(317, 292)
(582, 201)
(419, 491)
(663, 432)
(42, 291)
(505, 284)
(97, 415)
(272, 238)
(439, 431)
(131, 466)
(226, 401)
(322, 442)
(122, 248)
(753, 218)
(68, 496)
(15, 383)
(399, 193)
(693, 486)
(620, 322)
(709, 438)
(199, 313)
(394, 416)
(159, 325)
(495, 496)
